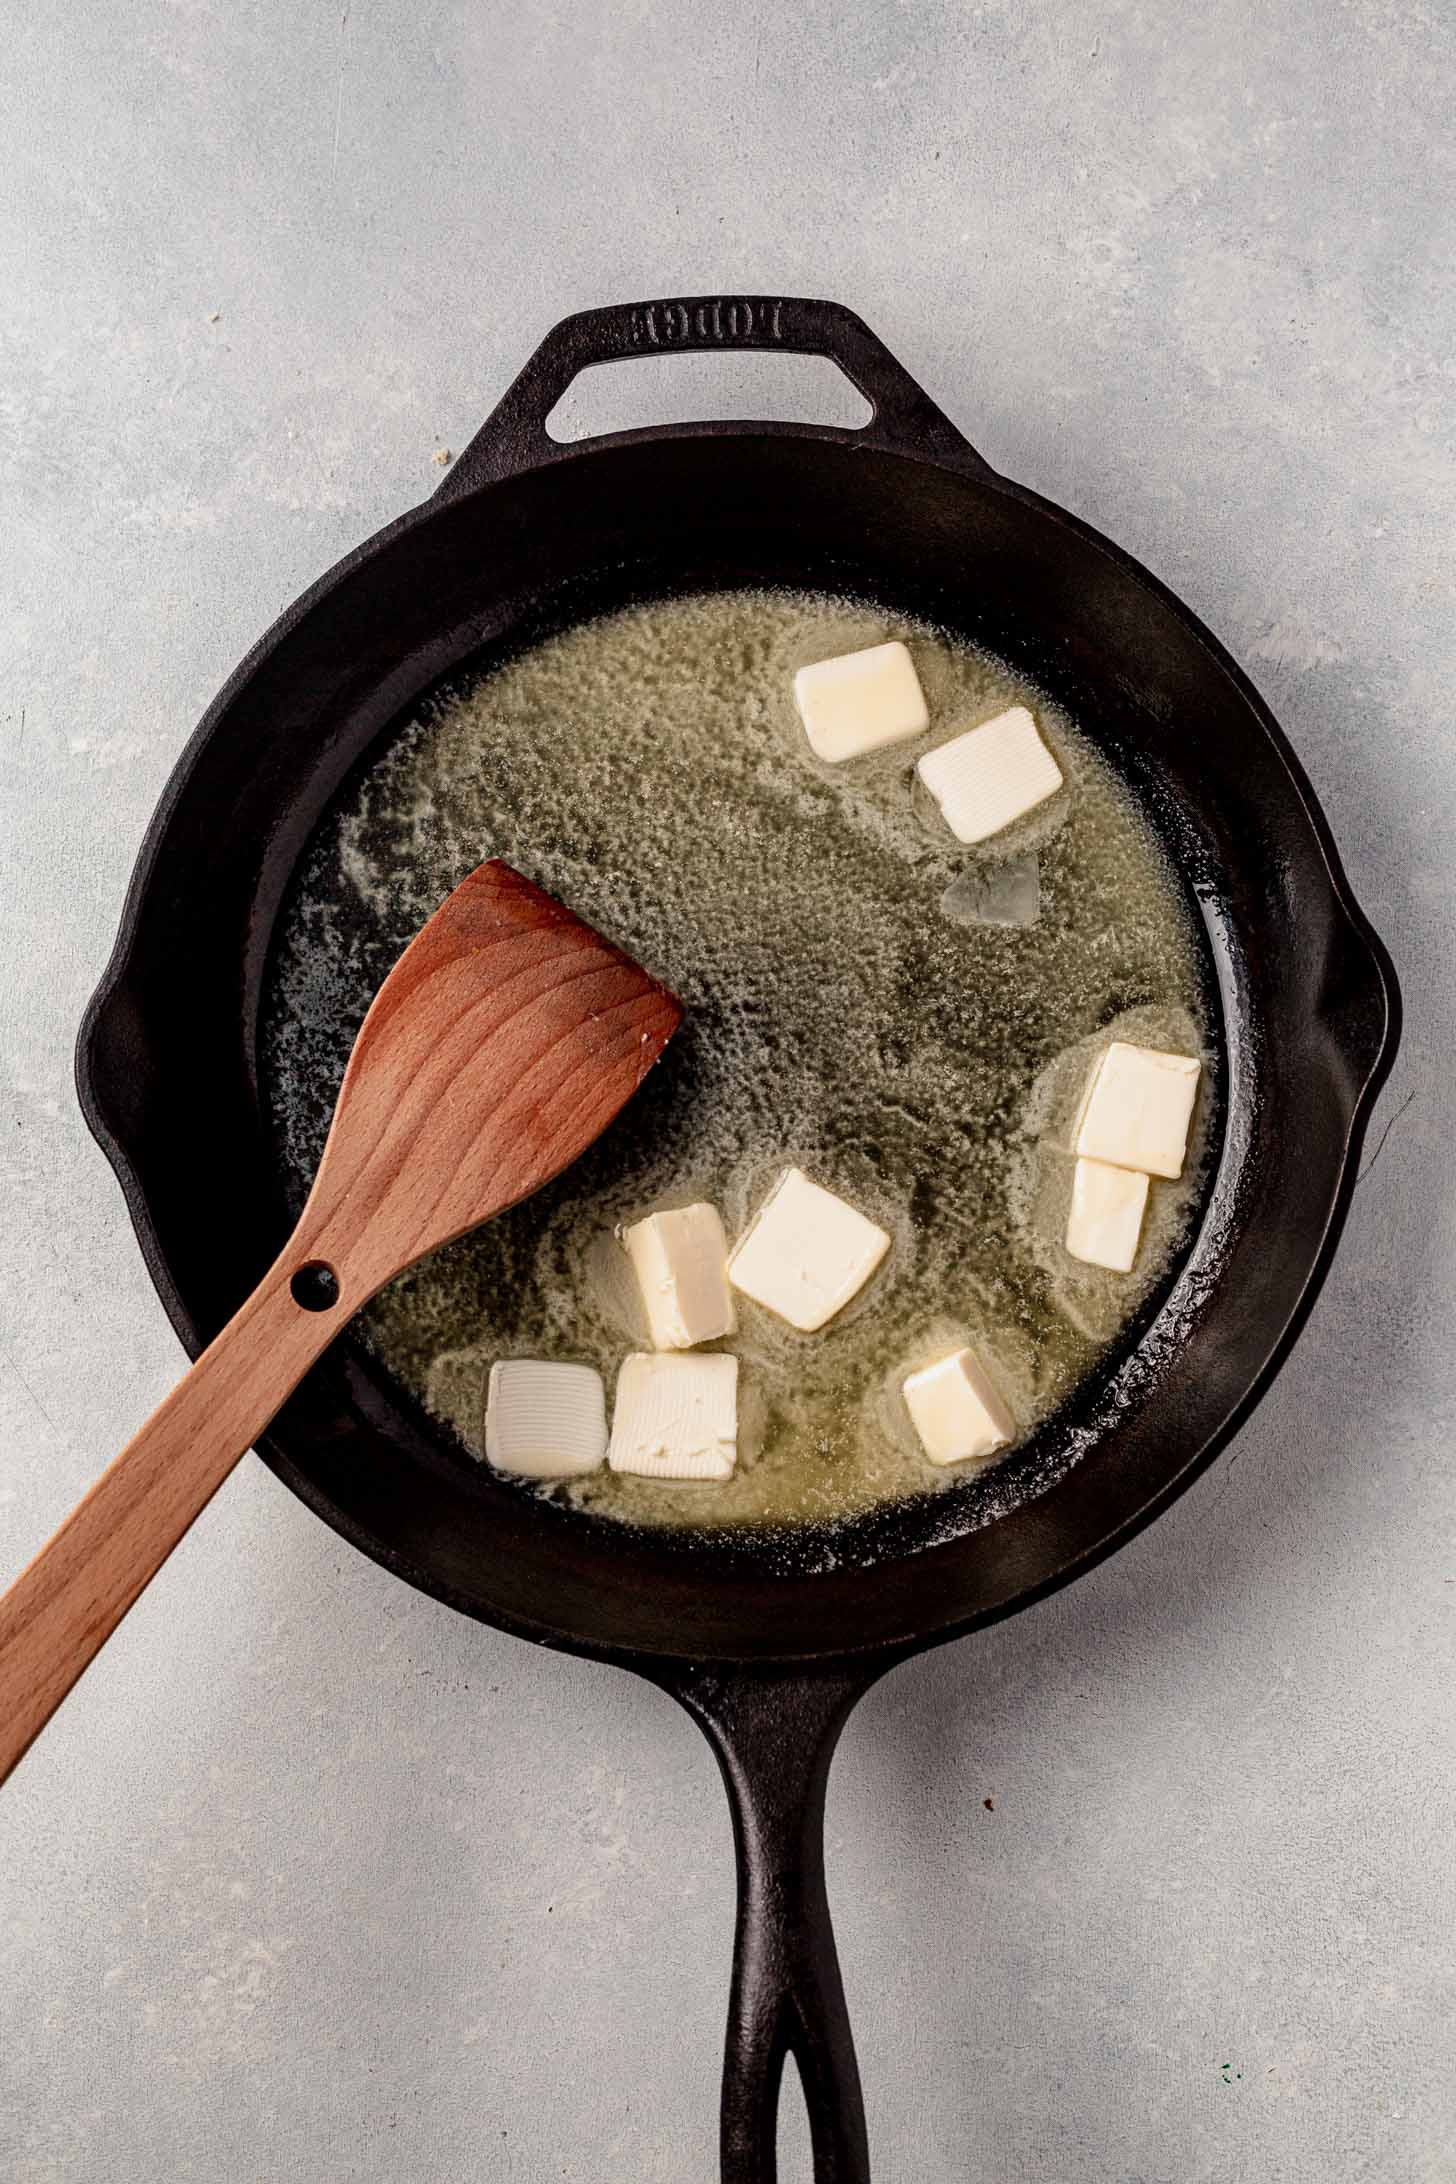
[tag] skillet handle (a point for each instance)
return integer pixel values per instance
(774, 1736)
(514, 436)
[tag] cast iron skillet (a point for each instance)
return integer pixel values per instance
(768, 1652)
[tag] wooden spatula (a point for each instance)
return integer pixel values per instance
(502, 1043)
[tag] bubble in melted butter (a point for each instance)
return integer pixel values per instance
(908, 1020)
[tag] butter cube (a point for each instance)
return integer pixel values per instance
(1106, 1219)
(544, 1421)
(806, 1253)
(860, 701)
(957, 1412)
(984, 779)
(676, 1417)
(680, 1259)
(1136, 1109)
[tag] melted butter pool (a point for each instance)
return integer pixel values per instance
(908, 1020)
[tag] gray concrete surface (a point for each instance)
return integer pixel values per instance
(313, 1878)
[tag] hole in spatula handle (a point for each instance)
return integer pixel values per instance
(315, 1287)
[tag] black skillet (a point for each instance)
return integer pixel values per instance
(525, 535)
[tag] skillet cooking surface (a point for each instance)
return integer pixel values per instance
(651, 771)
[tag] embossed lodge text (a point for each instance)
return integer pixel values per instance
(718, 318)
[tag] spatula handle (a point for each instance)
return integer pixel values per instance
(62, 1609)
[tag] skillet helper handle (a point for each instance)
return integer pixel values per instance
(774, 1737)
(61, 1610)
(905, 420)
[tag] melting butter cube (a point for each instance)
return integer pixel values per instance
(545, 1421)
(984, 779)
(999, 894)
(859, 701)
(1106, 1219)
(1136, 1109)
(806, 1253)
(676, 1417)
(680, 1259)
(957, 1412)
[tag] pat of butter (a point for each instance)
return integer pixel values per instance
(957, 1412)
(680, 1259)
(984, 779)
(1136, 1109)
(1106, 1219)
(545, 1421)
(806, 1253)
(676, 1417)
(860, 701)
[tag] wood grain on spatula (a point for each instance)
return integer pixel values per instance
(502, 1043)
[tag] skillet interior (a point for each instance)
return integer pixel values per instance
(1304, 1000)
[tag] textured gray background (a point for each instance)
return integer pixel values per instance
(314, 1878)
